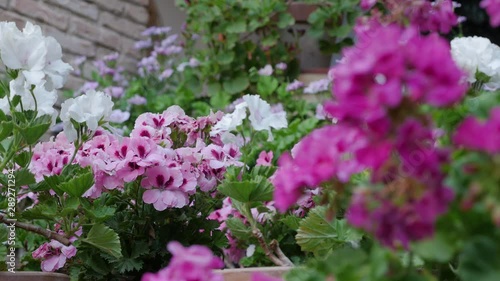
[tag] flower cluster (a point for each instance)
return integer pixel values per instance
(376, 88)
(194, 263)
(432, 16)
(54, 254)
(478, 54)
(34, 62)
(493, 9)
(167, 153)
(471, 127)
(262, 118)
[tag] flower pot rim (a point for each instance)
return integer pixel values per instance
(254, 269)
(33, 273)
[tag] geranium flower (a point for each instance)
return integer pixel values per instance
(262, 117)
(164, 188)
(493, 9)
(53, 255)
(90, 109)
(474, 54)
(194, 263)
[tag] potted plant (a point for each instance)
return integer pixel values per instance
(97, 205)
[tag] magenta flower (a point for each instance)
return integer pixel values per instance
(492, 7)
(399, 217)
(375, 75)
(367, 4)
(468, 131)
(195, 263)
(330, 152)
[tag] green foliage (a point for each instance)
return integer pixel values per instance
(319, 235)
(480, 260)
(105, 239)
(257, 190)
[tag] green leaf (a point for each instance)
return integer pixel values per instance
(239, 229)
(436, 249)
(24, 177)
(257, 190)
(480, 260)
(318, 235)
(236, 85)
(214, 88)
(105, 239)
(5, 129)
(80, 183)
(71, 204)
(291, 221)
(225, 58)
(47, 210)
(33, 132)
(23, 158)
(285, 20)
(267, 85)
(220, 100)
(238, 26)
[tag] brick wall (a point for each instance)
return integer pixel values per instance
(90, 28)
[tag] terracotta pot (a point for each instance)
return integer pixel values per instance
(245, 274)
(301, 11)
(33, 276)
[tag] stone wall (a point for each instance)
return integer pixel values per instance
(91, 28)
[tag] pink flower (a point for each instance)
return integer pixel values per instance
(367, 4)
(195, 263)
(53, 255)
(492, 7)
(295, 85)
(265, 158)
(164, 188)
(480, 135)
(281, 66)
(266, 70)
(137, 100)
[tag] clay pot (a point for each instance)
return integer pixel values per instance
(33, 276)
(245, 274)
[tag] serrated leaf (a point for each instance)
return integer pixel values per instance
(33, 132)
(257, 190)
(239, 229)
(79, 184)
(127, 265)
(24, 177)
(105, 239)
(46, 211)
(318, 235)
(23, 158)
(291, 221)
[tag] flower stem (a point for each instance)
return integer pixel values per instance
(36, 229)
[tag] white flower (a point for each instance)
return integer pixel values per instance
(231, 121)
(45, 100)
(262, 117)
(266, 71)
(38, 58)
(477, 54)
(89, 109)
